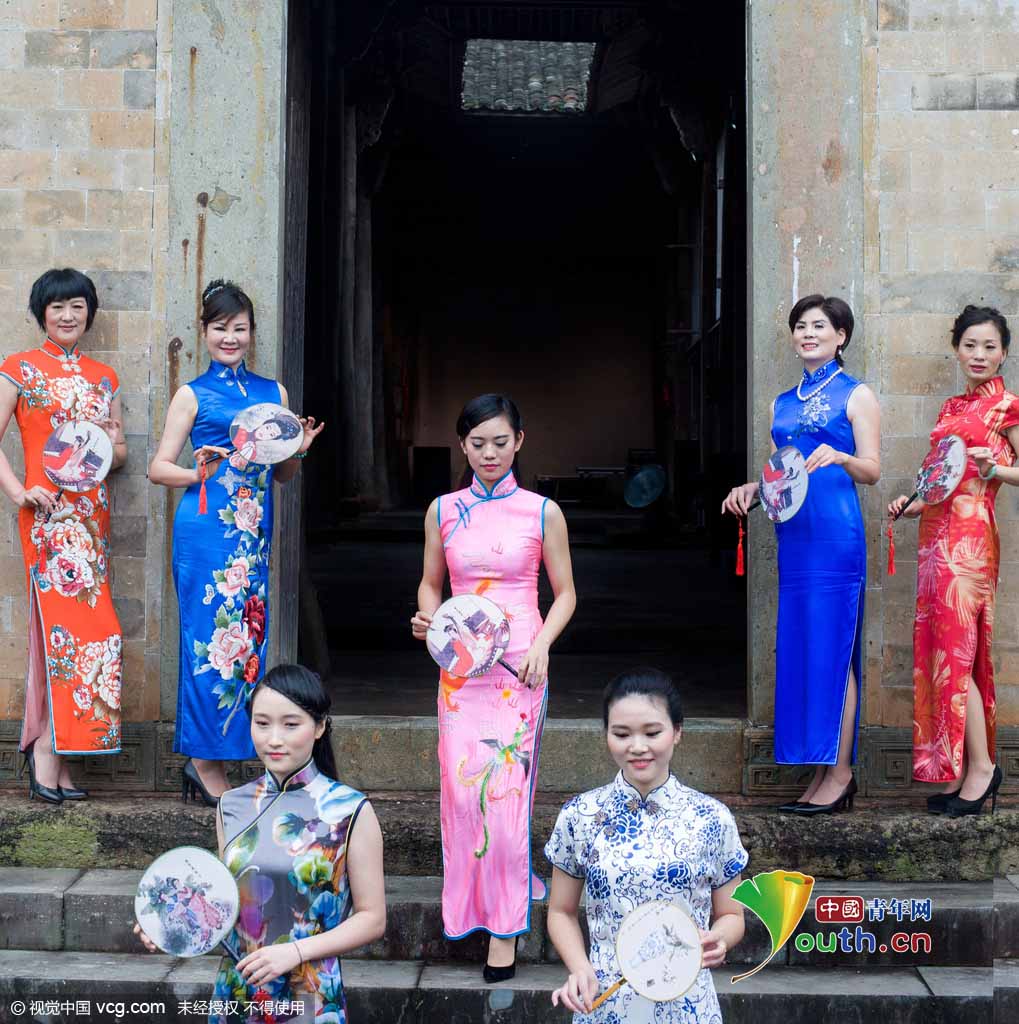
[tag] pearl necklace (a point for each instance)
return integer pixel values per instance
(803, 398)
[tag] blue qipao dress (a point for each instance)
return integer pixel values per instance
(822, 576)
(221, 573)
(676, 845)
(287, 847)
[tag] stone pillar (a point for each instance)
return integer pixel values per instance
(805, 235)
(225, 214)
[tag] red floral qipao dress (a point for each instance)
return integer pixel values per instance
(74, 640)
(957, 575)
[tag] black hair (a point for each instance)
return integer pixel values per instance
(222, 300)
(644, 682)
(288, 428)
(973, 315)
(61, 286)
(305, 689)
(479, 410)
(835, 309)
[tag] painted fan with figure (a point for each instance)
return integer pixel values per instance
(187, 902)
(469, 635)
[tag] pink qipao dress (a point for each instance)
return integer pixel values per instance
(490, 726)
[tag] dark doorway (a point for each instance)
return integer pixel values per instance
(546, 199)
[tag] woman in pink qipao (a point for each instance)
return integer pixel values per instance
(492, 537)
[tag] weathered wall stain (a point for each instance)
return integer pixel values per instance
(832, 165)
(192, 74)
(203, 204)
(185, 242)
(217, 24)
(221, 202)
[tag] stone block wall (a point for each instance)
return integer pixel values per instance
(83, 158)
(941, 211)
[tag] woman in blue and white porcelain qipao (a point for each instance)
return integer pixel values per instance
(643, 837)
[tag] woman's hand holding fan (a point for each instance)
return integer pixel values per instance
(579, 992)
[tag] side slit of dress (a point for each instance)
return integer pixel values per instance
(538, 888)
(37, 677)
(855, 662)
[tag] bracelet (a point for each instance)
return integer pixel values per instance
(991, 475)
(299, 455)
(299, 953)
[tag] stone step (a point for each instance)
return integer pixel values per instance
(1006, 990)
(971, 923)
(416, 992)
(875, 842)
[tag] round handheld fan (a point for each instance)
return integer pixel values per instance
(187, 902)
(940, 474)
(658, 949)
(266, 433)
(77, 456)
(784, 484)
(469, 634)
(645, 486)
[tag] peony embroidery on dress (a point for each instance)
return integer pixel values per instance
(73, 553)
(814, 414)
(235, 648)
(94, 669)
(76, 398)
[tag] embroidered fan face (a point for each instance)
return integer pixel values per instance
(942, 470)
(77, 456)
(468, 635)
(659, 950)
(784, 483)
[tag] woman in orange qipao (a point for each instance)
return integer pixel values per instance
(957, 576)
(73, 679)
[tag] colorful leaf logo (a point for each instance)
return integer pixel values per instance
(779, 899)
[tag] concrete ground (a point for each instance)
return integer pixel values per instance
(668, 608)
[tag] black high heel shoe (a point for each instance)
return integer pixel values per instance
(958, 808)
(51, 796)
(843, 801)
(938, 803)
(191, 785)
(493, 975)
(73, 793)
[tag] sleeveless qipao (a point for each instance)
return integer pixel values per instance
(221, 574)
(822, 572)
(287, 847)
(490, 726)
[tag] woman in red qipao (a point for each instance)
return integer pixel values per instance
(957, 574)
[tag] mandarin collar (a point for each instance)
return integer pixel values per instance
(666, 791)
(989, 388)
(51, 348)
(502, 488)
(820, 373)
(232, 375)
(297, 780)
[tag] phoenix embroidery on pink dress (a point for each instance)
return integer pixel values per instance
(490, 726)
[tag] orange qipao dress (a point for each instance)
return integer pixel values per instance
(957, 575)
(74, 640)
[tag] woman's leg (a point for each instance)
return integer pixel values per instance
(501, 952)
(212, 774)
(816, 781)
(979, 766)
(48, 766)
(837, 776)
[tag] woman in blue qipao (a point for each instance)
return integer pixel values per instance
(834, 420)
(222, 538)
(643, 837)
(306, 851)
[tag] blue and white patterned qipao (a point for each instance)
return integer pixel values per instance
(677, 845)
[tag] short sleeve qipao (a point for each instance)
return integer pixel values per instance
(676, 844)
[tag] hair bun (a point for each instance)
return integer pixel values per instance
(212, 287)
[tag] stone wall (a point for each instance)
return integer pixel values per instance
(941, 203)
(83, 158)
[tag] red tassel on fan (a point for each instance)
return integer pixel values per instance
(203, 504)
(740, 567)
(891, 548)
